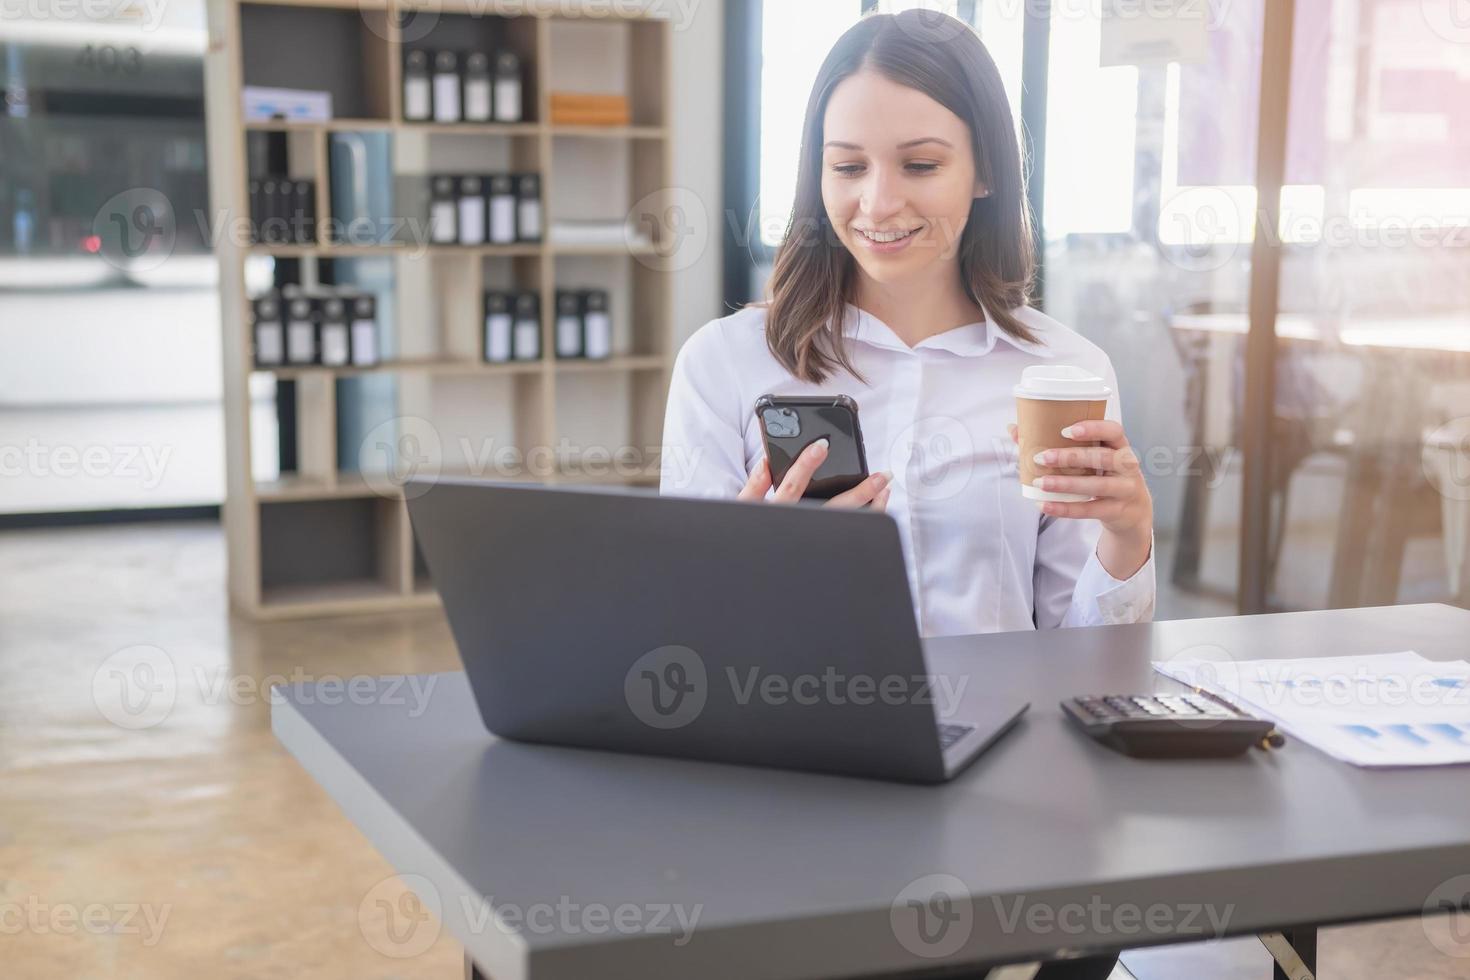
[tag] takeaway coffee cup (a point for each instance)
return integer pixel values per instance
(1049, 398)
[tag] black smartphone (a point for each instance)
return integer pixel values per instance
(790, 423)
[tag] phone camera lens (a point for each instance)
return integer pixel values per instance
(781, 423)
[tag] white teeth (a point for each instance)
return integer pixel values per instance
(884, 236)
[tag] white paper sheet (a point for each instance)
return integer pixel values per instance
(1388, 709)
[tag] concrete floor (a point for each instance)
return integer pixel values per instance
(196, 847)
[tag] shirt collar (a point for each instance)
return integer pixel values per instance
(969, 340)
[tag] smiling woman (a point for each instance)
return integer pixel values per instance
(908, 160)
(902, 286)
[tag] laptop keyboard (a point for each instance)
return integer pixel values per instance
(950, 734)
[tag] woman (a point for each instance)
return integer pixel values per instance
(903, 282)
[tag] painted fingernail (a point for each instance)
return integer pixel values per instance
(1042, 483)
(821, 444)
(1067, 432)
(1043, 457)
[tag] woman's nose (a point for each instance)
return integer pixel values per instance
(882, 196)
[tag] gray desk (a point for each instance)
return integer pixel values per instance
(797, 875)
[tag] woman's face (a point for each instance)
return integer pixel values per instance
(898, 177)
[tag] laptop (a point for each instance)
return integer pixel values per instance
(718, 630)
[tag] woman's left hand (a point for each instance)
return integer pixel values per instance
(1123, 506)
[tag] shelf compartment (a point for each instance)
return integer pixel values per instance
(345, 52)
(306, 409)
(618, 56)
(451, 291)
(302, 159)
(332, 549)
(636, 302)
(482, 427)
(475, 30)
(609, 426)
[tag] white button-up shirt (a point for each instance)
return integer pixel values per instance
(980, 557)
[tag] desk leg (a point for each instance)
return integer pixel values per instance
(1016, 971)
(1189, 542)
(1304, 941)
(1354, 526)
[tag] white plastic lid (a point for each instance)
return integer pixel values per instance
(1061, 382)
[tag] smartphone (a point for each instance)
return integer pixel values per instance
(790, 423)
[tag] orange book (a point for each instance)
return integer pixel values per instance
(589, 109)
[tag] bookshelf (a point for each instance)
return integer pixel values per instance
(331, 536)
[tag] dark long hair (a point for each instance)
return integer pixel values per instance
(813, 276)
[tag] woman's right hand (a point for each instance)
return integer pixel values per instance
(871, 492)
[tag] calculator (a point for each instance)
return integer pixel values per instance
(1167, 726)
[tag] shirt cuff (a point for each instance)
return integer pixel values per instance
(1119, 601)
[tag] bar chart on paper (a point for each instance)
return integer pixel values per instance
(1390, 709)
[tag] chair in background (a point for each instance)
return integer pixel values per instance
(1307, 420)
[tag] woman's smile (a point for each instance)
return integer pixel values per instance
(887, 241)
